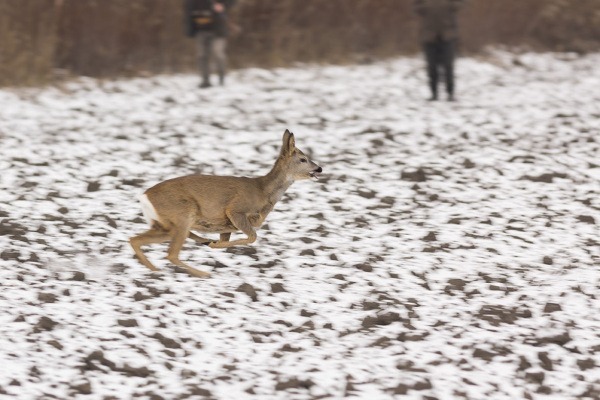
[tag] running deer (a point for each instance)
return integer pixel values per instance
(217, 204)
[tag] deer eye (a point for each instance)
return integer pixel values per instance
(303, 160)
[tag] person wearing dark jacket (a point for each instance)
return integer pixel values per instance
(207, 22)
(439, 36)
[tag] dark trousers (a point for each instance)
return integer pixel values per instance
(440, 54)
(211, 53)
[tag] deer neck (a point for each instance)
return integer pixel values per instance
(276, 182)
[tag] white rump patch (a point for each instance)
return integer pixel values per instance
(148, 210)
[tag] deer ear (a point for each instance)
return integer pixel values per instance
(289, 143)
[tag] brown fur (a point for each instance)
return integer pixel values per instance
(219, 204)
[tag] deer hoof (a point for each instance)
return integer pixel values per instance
(198, 273)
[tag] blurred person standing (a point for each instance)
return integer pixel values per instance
(208, 22)
(439, 37)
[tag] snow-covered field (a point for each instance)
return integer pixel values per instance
(450, 250)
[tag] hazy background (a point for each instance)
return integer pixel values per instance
(42, 40)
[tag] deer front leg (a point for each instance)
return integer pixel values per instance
(240, 221)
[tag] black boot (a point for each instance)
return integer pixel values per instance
(434, 90)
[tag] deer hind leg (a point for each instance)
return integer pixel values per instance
(153, 235)
(240, 221)
(199, 239)
(179, 233)
(224, 237)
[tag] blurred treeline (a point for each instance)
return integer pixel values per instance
(43, 39)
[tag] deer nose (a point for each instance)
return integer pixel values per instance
(319, 169)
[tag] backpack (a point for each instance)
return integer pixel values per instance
(203, 15)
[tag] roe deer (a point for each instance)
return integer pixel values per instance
(217, 204)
